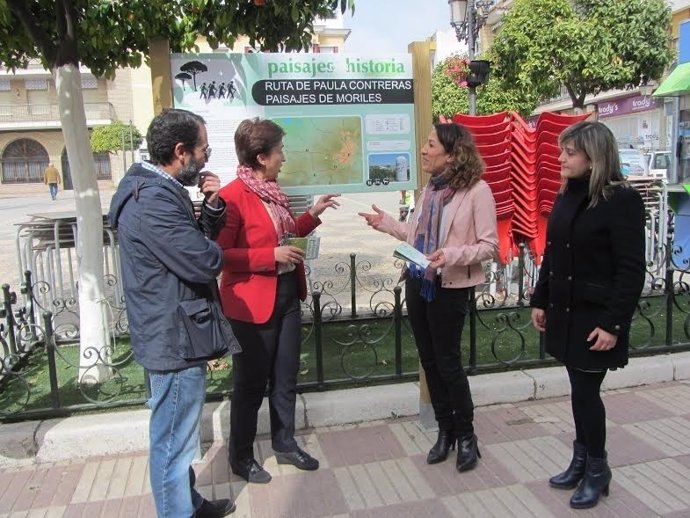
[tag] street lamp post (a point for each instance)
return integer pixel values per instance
(467, 17)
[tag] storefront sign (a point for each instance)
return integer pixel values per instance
(349, 120)
(625, 106)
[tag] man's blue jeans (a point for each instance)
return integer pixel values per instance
(177, 399)
(53, 188)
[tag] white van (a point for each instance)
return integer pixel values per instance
(658, 163)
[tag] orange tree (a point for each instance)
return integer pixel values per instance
(104, 35)
(586, 46)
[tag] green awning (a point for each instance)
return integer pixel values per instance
(677, 83)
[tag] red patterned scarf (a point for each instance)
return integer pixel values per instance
(271, 194)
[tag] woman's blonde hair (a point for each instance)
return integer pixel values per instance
(467, 165)
(599, 144)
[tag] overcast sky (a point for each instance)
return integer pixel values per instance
(389, 25)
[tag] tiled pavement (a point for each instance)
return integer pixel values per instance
(378, 469)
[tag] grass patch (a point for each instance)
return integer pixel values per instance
(354, 352)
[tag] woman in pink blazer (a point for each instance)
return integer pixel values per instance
(454, 225)
(262, 283)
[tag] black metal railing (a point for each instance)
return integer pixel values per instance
(354, 332)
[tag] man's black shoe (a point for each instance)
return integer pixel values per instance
(300, 459)
(251, 471)
(215, 508)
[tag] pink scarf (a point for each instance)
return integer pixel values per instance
(271, 194)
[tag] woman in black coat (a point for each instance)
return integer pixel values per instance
(589, 284)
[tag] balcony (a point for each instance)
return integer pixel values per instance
(47, 116)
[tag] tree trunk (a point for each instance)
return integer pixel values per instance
(94, 347)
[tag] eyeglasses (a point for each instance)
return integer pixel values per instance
(207, 153)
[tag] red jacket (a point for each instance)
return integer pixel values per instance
(249, 280)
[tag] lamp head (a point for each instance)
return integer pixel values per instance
(458, 12)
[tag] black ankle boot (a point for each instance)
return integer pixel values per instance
(439, 451)
(595, 482)
(571, 477)
(468, 451)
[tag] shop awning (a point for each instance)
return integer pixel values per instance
(677, 83)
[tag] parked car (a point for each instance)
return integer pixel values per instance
(633, 162)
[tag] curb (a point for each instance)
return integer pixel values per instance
(56, 440)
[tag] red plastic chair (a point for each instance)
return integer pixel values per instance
(548, 137)
(494, 148)
(563, 118)
(504, 168)
(502, 127)
(552, 126)
(480, 120)
(492, 138)
(499, 185)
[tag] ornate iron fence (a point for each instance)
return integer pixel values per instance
(355, 332)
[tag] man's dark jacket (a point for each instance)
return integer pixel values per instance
(169, 262)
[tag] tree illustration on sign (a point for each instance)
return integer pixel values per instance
(183, 76)
(194, 68)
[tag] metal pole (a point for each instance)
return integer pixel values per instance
(131, 143)
(124, 152)
(472, 97)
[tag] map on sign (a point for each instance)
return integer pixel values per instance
(321, 150)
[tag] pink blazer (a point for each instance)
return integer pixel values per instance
(469, 235)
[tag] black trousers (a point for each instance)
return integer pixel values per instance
(270, 354)
(437, 328)
(589, 412)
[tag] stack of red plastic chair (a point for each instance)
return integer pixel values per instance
(548, 169)
(523, 171)
(493, 136)
(524, 183)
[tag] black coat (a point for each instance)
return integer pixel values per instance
(592, 274)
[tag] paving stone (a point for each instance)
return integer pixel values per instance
(510, 501)
(637, 406)
(531, 459)
(378, 469)
(301, 495)
(661, 485)
(671, 436)
(360, 445)
(430, 508)
(506, 424)
(673, 399)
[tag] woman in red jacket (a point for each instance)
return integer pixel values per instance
(262, 284)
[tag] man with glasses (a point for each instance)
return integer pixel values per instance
(170, 262)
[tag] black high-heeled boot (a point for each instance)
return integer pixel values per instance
(571, 477)
(595, 482)
(468, 451)
(439, 451)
